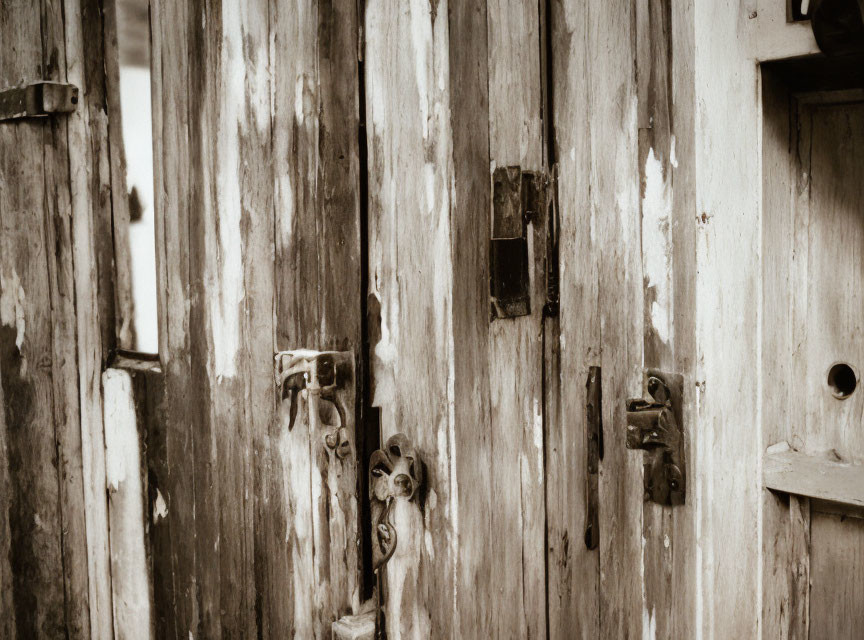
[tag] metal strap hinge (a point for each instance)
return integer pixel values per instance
(38, 100)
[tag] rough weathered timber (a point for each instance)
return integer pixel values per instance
(518, 515)
(127, 507)
(573, 570)
(319, 300)
(429, 221)
(215, 237)
(52, 361)
(665, 88)
(724, 456)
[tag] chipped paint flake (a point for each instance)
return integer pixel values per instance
(160, 507)
(657, 245)
(12, 306)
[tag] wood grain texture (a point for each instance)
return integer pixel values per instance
(836, 563)
(319, 300)
(130, 583)
(822, 477)
(573, 571)
(428, 125)
(614, 203)
(725, 456)
(810, 157)
(666, 95)
(283, 182)
(215, 237)
(518, 514)
(51, 358)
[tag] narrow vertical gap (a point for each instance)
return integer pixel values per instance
(549, 324)
(369, 418)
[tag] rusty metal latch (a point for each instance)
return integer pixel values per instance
(518, 198)
(322, 375)
(38, 99)
(395, 473)
(655, 426)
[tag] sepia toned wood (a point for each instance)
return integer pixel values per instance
(319, 300)
(727, 289)
(780, 398)
(518, 515)
(666, 93)
(51, 359)
(776, 38)
(428, 255)
(836, 563)
(814, 476)
(215, 247)
(130, 579)
(614, 203)
(469, 444)
(573, 571)
(799, 567)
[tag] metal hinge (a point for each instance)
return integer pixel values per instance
(520, 198)
(656, 427)
(37, 100)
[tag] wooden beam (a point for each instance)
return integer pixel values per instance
(814, 476)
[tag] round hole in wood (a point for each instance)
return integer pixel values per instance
(842, 380)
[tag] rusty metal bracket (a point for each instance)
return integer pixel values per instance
(395, 473)
(325, 376)
(37, 100)
(519, 198)
(656, 427)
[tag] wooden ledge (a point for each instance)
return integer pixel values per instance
(814, 476)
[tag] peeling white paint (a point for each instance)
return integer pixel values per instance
(226, 288)
(537, 433)
(421, 37)
(12, 306)
(673, 158)
(657, 245)
(160, 507)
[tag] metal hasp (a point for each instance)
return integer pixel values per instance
(395, 473)
(518, 198)
(838, 26)
(656, 427)
(37, 100)
(327, 377)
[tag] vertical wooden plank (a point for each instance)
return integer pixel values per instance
(129, 571)
(515, 345)
(573, 570)
(725, 456)
(89, 186)
(219, 322)
(836, 563)
(612, 117)
(319, 301)
(35, 582)
(781, 285)
(410, 177)
(67, 422)
(472, 427)
(173, 528)
(428, 221)
(665, 87)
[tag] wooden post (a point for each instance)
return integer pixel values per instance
(57, 324)
(428, 124)
(256, 126)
